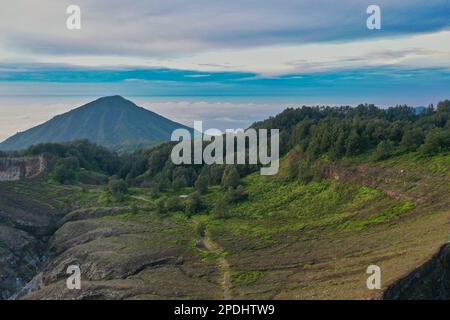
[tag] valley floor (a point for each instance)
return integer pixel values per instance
(287, 240)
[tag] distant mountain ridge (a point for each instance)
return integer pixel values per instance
(113, 122)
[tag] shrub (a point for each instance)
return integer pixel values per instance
(179, 182)
(201, 185)
(306, 172)
(161, 205)
(200, 229)
(235, 195)
(384, 150)
(436, 141)
(173, 204)
(118, 189)
(134, 209)
(231, 177)
(412, 139)
(194, 204)
(221, 210)
(66, 170)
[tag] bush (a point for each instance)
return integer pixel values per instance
(231, 177)
(221, 210)
(134, 209)
(201, 185)
(235, 195)
(92, 178)
(200, 229)
(161, 205)
(66, 170)
(216, 174)
(194, 204)
(173, 204)
(384, 150)
(412, 139)
(436, 141)
(118, 189)
(179, 182)
(306, 172)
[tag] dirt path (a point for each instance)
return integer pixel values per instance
(212, 247)
(141, 198)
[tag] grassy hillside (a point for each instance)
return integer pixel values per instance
(296, 241)
(284, 240)
(140, 227)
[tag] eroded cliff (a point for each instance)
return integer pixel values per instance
(13, 169)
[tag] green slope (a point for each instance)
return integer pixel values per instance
(113, 122)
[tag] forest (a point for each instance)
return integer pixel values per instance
(331, 133)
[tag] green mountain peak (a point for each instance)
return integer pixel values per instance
(112, 121)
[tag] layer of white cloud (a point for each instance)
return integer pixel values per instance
(416, 51)
(271, 37)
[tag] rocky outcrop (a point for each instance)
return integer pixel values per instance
(26, 222)
(13, 169)
(420, 188)
(430, 281)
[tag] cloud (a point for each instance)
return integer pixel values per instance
(196, 75)
(165, 29)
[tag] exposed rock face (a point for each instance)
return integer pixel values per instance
(13, 169)
(420, 188)
(123, 259)
(26, 222)
(431, 281)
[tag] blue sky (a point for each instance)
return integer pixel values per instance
(386, 85)
(228, 54)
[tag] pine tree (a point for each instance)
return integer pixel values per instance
(231, 177)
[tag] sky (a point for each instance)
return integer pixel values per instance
(228, 63)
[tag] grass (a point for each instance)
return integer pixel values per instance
(287, 239)
(273, 207)
(244, 278)
(382, 217)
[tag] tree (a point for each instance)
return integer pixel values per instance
(179, 182)
(173, 204)
(194, 204)
(66, 170)
(436, 141)
(354, 143)
(216, 174)
(134, 209)
(231, 177)
(384, 150)
(306, 172)
(221, 210)
(338, 149)
(201, 185)
(118, 189)
(443, 114)
(412, 139)
(293, 160)
(395, 131)
(235, 195)
(161, 205)
(200, 229)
